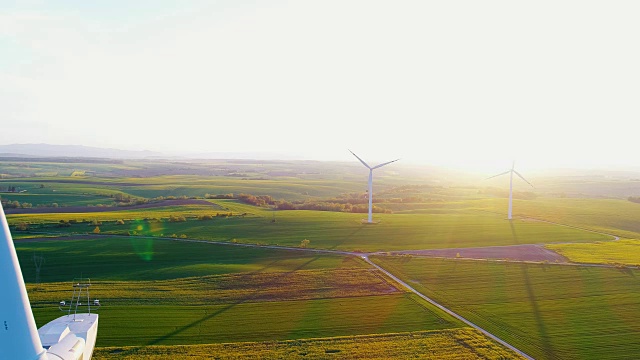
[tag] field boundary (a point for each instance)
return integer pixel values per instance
(364, 257)
(615, 237)
(447, 310)
(94, 209)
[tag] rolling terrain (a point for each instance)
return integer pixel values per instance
(281, 276)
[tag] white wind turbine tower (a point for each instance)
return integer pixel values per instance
(370, 219)
(70, 337)
(512, 171)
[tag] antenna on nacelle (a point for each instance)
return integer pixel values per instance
(80, 290)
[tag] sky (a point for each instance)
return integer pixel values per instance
(466, 84)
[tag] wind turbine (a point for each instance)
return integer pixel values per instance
(370, 220)
(512, 171)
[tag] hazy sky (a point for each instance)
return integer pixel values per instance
(548, 83)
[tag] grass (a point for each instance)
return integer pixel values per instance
(167, 292)
(464, 343)
(59, 169)
(264, 285)
(625, 252)
(604, 215)
(618, 217)
(330, 230)
(66, 199)
(135, 325)
(56, 191)
(115, 213)
(190, 185)
(139, 259)
(547, 311)
(164, 292)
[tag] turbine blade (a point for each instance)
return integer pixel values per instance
(491, 177)
(387, 163)
(522, 177)
(362, 161)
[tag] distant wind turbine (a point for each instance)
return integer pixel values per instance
(512, 171)
(370, 219)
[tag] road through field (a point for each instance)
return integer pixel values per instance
(448, 311)
(364, 256)
(615, 237)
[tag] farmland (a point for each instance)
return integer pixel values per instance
(141, 259)
(325, 230)
(614, 216)
(548, 311)
(127, 226)
(451, 344)
(187, 293)
(259, 321)
(622, 252)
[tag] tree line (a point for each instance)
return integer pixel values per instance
(634, 199)
(8, 204)
(354, 203)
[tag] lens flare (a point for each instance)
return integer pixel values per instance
(143, 247)
(141, 241)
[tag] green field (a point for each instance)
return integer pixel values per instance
(288, 188)
(547, 311)
(464, 343)
(328, 230)
(168, 292)
(618, 217)
(130, 325)
(292, 190)
(66, 199)
(138, 259)
(57, 189)
(114, 214)
(299, 284)
(164, 292)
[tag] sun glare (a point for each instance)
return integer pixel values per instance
(433, 83)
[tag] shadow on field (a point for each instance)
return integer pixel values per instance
(248, 298)
(627, 271)
(347, 237)
(547, 348)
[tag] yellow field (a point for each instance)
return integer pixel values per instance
(464, 343)
(609, 252)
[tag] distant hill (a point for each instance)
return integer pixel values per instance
(48, 150)
(81, 151)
